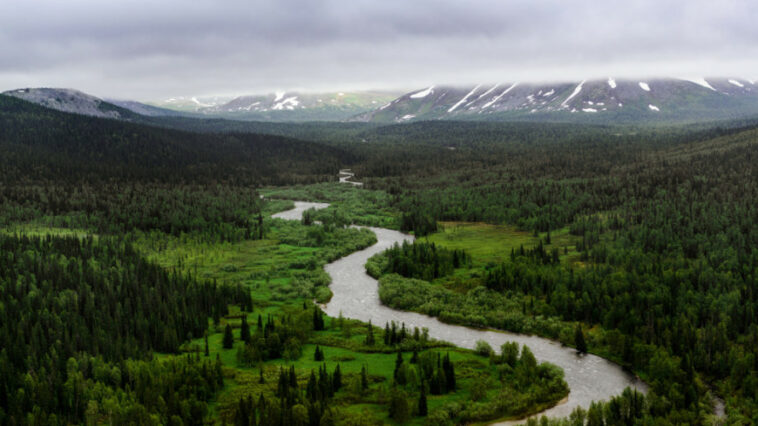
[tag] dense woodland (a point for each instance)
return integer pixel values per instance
(75, 310)
(667, 238)
(662, 274)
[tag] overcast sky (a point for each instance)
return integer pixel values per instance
(153, 49)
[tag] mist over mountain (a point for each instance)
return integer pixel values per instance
(603, 101)
(586, 101)
(284, 106)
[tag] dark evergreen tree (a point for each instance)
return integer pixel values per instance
(318, 354)
(244, 330)
(422, 408)
(337, 378)
(369, 334)
(581, 345)
(364, 378)
(228, 341)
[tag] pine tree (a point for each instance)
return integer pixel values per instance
(293, 377)
(228, 337)
(260, 322)
(422, 408)
(449, 371)
(318, 319)
(245, 330)
(364, 378)
(311, 389)
(207, 352)
(581, 345)
(337, 378)
(398, 363)
(414, 357)
(261, 380)
(318, 354)
(219, 371)
(370, 335)
(387, 333)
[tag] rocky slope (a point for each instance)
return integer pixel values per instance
(70, 100)
(593, 101)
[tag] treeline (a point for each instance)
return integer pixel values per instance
(65, 301)
(216, 212)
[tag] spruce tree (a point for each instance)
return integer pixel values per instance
(318, 319)
(245, 330)
(207, 352)
(370, 335)
(398, 363)
(364, 378)
(581, 345)
(337, 378)
(387, 333)
(293, 377)
(228, 337)
(449, 371)
(422, 408)
(318, 354)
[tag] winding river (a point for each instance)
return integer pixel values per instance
(589, 377)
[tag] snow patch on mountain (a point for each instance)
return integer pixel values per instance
(653, 107)
(612, 82)
(736, 83)
(644, 86)
(465, 98)
(289, 103)
(576, 92)
(423, 93)
(497, 98)
(701, 82)
(487, 92)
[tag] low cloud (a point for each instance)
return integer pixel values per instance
(149, 50)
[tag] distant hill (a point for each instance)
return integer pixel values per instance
(148, 110)
(40, 143)
(70, 100)
(284, 106)
(596, 101)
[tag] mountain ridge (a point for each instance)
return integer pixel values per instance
(610, 99)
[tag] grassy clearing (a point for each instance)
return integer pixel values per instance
(493, 243)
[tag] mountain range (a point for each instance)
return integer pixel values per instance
(283, 106)
(603, 101)
(585, 101)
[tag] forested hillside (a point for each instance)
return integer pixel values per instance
(635, 243)
(39, 143)
(662, 261)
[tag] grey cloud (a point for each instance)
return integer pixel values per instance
(151, 49)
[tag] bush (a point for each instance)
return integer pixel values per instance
(483, 349)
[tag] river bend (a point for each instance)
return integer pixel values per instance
(589, 377)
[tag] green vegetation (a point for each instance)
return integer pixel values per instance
(347, 204)
(637, 244)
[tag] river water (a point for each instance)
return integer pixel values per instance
(589, 377)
